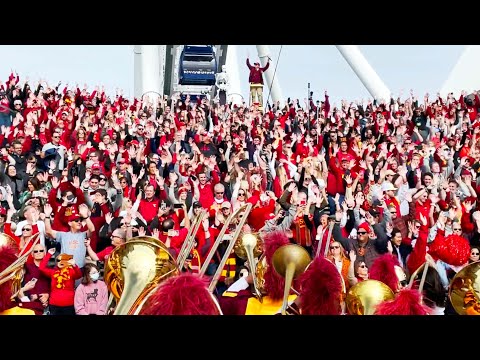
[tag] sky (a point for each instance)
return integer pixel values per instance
(423, 68)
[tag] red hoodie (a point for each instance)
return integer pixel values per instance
(62, 282)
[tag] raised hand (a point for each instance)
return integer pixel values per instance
(83, 210)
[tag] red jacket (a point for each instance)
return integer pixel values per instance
(255, 76)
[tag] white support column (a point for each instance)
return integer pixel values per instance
(234, 89)
(152, 70)
(464, 75)
(364, 71)
(137, 71)
(272, 82)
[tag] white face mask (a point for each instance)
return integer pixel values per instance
(94, 276)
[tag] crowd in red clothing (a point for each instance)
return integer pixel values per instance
(394, 176)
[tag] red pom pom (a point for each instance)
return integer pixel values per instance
(453, 249)
(185, 294)
(383, 269)
(320, 289)
(406, 302)
(274, 283)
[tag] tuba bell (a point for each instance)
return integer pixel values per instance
(363, 298)
(464, 290)
(290, 261)
(134, 269)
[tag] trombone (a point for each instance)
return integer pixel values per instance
(241, 213)
(15, 270)
(189, 241)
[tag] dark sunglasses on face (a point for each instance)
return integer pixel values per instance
(361, 232)
(363, 266)
(334, 247)
(475, 254)
(38, 251)
(25, 229)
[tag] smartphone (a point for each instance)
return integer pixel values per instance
(177, 206)
(36, 193)
(34, 279)
(172, 232)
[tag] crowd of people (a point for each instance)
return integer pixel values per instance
(360, 185)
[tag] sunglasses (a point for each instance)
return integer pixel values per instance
(219, 193)
(241, 194)
(25, 229)
(361, 232)
(38, 251)
(457, 229)
(363, 266)
(404, 283)
(77, 220)
(475, 253)
(334, 247)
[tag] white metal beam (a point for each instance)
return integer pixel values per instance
(354, 57)
(271, 77)
(464, 75)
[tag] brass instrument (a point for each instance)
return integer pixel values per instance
(464, 290)
(239, 215)
(7, 240)
(249, 247)
(15, 271)
(424, 267)
(363, 298)
(133, 270)
(290, 261)
(189, 242)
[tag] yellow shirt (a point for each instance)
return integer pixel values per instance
(267, 307)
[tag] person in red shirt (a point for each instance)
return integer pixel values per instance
(63, 278)
(149, 206)
(118, 238)
(256, 81)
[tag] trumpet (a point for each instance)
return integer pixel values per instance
(239, 215)
(290, 261)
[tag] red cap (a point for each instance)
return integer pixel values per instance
(182, 189)
(365, 226)
(133, 142)
(73, 217)
(20, 134)
(96, 166)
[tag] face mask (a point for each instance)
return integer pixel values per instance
(71, 199)
(95, 276)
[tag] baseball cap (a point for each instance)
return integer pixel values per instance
(73, 217)
(197, 204)
(226, 205)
